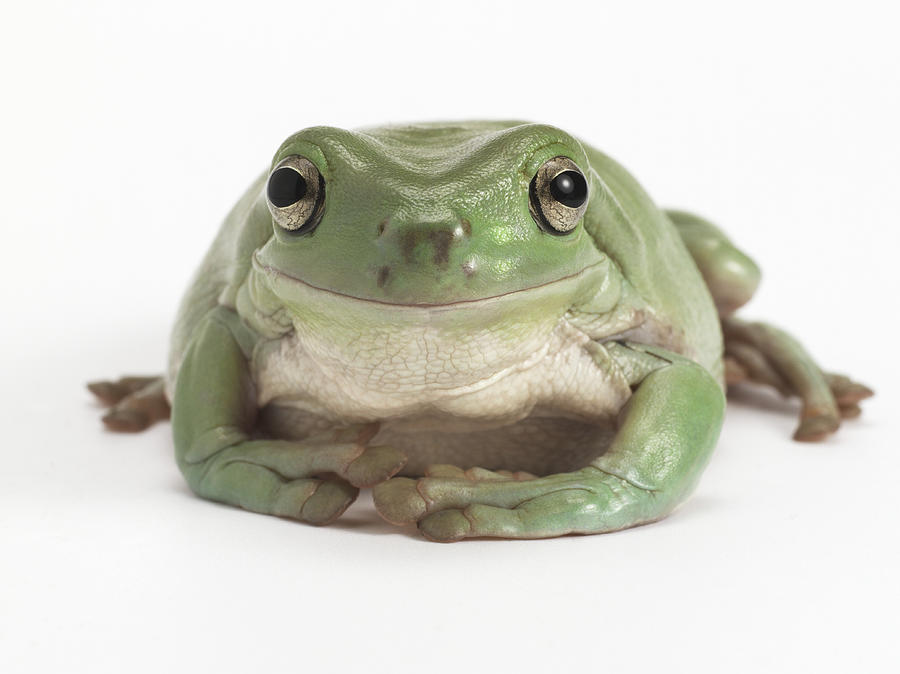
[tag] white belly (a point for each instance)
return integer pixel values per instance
(535, 403)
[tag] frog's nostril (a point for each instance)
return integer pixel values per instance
(469, 268)
(383, 274)
(382, 226)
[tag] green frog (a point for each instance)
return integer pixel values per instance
(489, 323)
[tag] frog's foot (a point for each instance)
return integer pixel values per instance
(313, 481)
(456, 504)
(136, 402)
(848, 394)
(762, 354)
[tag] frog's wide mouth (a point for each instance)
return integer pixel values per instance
(276, 276)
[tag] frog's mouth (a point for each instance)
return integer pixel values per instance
(300, 293)
(422, 346)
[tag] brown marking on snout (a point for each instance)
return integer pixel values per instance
(441, 239)
(466, 227)
(383, 275)
(408, 241)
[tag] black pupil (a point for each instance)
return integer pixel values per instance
(569, 188)
(286, 187)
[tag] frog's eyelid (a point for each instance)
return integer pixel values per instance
(541, 155)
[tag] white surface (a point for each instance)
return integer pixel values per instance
(128, 131)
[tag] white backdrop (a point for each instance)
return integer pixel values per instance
(129, 129)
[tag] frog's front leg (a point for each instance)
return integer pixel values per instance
(666, 433)
(214, 415)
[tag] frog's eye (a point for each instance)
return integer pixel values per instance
(558, 196)
(296, 194)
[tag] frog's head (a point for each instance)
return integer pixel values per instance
(428, 215)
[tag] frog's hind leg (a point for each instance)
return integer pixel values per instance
(135, 403)
(760, 353)
(763, 354)
(730, 275)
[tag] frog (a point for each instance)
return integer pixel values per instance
(490, 324)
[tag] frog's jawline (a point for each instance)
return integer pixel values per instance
(272, 271)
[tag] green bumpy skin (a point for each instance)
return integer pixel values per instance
(425, 315)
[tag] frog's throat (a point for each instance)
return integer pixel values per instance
(274, 274)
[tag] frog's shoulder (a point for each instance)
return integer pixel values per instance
(224, 267)
(627, 225)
